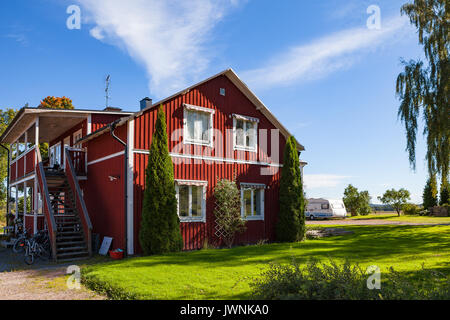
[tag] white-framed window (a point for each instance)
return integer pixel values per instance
(252, 201)
(198, 125)
(191, 198)
(245, 132)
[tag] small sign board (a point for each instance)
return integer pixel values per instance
(105, 246)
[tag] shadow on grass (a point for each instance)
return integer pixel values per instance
(366, 243)
(397, 244)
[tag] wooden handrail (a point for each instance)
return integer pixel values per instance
(51, 224)
(81, 206)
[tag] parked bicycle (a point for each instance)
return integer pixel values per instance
(37, 246)
(19, 244)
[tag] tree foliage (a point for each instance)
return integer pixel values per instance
(423, 88)
(445, 192)
(396, 198)
(291, 218)
(228, 211)
(51, 102)
(430, 193)
(6, 116)
(358, 203)
(160, 225)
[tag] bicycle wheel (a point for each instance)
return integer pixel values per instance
(29, 258)
(43, 253)
(19, 246)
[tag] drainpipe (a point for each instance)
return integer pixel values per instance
(112, 127)
(7, 184)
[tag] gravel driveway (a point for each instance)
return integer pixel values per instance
(41, 281)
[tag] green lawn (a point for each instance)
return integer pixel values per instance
(405, 218)
(224, 274)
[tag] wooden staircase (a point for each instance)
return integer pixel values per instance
(71, 243)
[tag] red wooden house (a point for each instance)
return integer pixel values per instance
(217, 129)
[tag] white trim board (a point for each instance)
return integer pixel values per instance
(117, 154)
(130, 189)
(217, 159)
(21, 180)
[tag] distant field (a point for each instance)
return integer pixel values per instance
(405, 218)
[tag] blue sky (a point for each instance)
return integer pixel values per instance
(318, 67)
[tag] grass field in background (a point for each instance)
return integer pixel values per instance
(225, 273)
(406, 218)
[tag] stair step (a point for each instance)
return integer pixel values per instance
(68, 238)
(78, 233)
(67, 221)
(71, 243)
(75, 253)
(70, 249)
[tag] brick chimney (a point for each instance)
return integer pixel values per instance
(146, 103)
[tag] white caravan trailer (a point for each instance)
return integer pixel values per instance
(325, 208)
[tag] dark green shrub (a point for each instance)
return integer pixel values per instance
(411, 209)
(291, 218)
(160, 225)
(430, 193)
(445, 192)
(320, 281)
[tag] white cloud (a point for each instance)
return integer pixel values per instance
(313, 181)
(168, 37)
(325, 55)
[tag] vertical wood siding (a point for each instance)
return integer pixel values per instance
(105, 200)
(29, 160)
(13, 172)
(207, 95)
(99, 120)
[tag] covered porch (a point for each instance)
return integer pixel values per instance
(33, 135)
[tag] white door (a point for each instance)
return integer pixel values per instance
(66, 144)
(77, 136)
(55, 154)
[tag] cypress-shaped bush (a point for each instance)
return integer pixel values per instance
(445, 192)
(430, 193)
(160, 225)
(291, 218)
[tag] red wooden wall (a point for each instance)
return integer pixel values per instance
(207, 95)
(105, 198)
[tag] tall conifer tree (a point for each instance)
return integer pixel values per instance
(160, 225)
(291, 218)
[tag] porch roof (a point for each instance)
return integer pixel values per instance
(52, 122)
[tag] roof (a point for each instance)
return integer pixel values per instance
(233, 77)
(25, 117)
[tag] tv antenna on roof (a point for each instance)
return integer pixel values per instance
(108, 81)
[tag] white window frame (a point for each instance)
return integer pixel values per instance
(192, 108)
(245, 119)
(253, 187)
(191, 183)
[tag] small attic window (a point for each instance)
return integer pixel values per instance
(222, 91)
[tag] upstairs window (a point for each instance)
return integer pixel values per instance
(198, 125)
(252, 201)
(245, 132)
